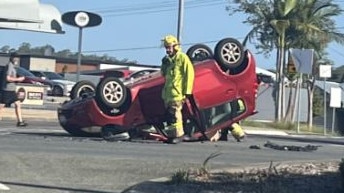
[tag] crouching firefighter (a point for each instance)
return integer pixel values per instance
(235, 129)
(178, 72)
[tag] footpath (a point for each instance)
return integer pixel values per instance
(45, 112)
(30, 114)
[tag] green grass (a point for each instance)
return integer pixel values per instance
(180, 177)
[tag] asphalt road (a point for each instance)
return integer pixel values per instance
(44, 158)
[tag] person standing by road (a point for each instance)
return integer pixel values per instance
(179, 79)
(9, 94)
(3, 75)
(2, 105)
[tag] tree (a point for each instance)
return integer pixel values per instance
(64, 53)
(270, 20)
(316, 25)
(5, 49)
(279, 24)
(24, 48)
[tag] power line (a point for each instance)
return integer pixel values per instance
(145, 47)
(155, 8)
(151, 5)
(336, 51)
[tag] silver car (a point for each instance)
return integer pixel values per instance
(63, 87)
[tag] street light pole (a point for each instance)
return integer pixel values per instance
(180, 20)
(79, 55)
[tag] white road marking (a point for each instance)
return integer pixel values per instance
(3, 187)
(4, 133)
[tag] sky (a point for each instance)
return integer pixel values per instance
(133, 29)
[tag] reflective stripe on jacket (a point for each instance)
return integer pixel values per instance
(179, 77)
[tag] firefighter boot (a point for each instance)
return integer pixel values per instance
(237, 132)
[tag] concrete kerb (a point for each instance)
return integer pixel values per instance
(45, 112)
(259, 131)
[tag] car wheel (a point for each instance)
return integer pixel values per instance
(57, 91)
(229, 53)
(199, 52)
(81, 88)
(111, 93)
(79, 132)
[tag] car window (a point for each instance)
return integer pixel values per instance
(23, 72)
(38, 74)
(224, 112)
(140, 73)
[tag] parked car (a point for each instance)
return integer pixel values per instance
(62, 87)
(221, 82)
(265, 79)
(32, 79)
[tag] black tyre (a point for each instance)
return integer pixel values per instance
(111, 93)
(81, 88)
(199, 52)
(57, 91)
(229, 53)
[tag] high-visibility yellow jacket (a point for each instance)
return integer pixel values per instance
(179, 77)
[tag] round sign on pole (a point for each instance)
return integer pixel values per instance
(81, 19)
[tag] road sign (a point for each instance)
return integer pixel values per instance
(81, 19)
(336, 98)
(303, 60)
(325, 71)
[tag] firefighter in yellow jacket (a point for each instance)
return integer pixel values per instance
(179, 79)
(235, 129)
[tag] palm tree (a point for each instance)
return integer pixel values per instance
(280, 24)
(270, 20)
(318, 29)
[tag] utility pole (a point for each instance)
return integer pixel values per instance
(79, 55)
(180, 20)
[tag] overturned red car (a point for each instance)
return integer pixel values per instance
(225, 90)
